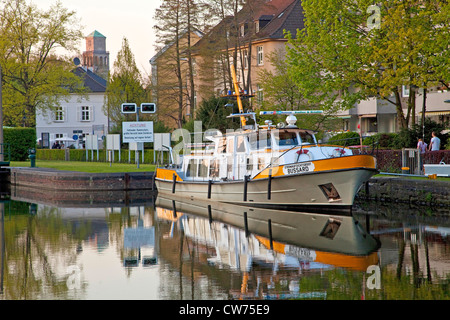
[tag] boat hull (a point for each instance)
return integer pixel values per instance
(314, 191)
(325, 232)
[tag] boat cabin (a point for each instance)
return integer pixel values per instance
(245, 153)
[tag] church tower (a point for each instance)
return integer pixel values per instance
(96, 58)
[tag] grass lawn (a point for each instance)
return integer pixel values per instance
(95, 167)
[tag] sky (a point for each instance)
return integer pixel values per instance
(116, 19)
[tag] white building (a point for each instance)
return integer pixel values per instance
(81, 114)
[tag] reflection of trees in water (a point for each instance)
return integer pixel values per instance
(38, 250)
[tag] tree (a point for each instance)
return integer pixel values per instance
(282, 93)
(34, 77)
(213, 114)
(343, 56)
(176, 23)
(125, 85)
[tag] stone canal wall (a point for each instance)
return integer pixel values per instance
(407, 190)
(50, 179)
(381, 189)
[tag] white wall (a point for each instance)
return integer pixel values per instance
(72, 117)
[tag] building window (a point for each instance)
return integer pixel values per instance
(259, 94)
(259, 55)
(85, 113)
(245, 59)
(256, 26)
(59, 114)
(194, 66)
(242, 30)
(405, 91)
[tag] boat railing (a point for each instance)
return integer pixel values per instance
(349, 143)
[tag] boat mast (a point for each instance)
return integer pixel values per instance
(238, 96)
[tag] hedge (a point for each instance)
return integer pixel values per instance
(20, 140)
(80, 155)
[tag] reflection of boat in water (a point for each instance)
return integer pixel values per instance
(281, 167)
(299, 237)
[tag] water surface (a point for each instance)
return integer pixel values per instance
(123, 246)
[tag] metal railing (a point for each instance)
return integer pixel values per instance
(5, 153)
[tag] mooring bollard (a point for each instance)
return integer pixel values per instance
(270, 234)
(174, 182)
(245, 187)
(246, 225)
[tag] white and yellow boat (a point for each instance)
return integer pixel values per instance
(269, 167)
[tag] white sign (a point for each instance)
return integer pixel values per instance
(160, 140)
(137, 131)
(91, 142)
(136, 146)
(297, 168)
(113, 142)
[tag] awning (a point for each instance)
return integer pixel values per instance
(436, 113)
(368, 116)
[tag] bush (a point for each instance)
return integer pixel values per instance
(345, 139)
(20, 140)
(383, 140)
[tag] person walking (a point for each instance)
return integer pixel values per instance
(435, 143)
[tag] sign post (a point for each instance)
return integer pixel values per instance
(137, 132)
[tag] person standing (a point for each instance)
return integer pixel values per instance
(435, 143)
(422, 147)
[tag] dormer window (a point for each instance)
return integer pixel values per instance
(242, 30)
(256, 26)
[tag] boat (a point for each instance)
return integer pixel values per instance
(322, 237)
(279, 167)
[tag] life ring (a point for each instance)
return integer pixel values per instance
(304, 155)
(338, 152)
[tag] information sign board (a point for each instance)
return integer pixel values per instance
(137, 131)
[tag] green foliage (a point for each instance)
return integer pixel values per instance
(213, 114)
(408, 138)
(20, 140)
(337, 60)
(382, 140)
(345, 139)
(34, 78)
(80, 155)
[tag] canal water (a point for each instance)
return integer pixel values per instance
(135, 246)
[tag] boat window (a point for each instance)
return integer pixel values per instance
(230, 145)
(203, 168)
(222, 145)
(260, 141)
(307, 138)
(192, 168)
(249, 164)
(240, 144)
(214, 169)
(286, 138)
(261, 163)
